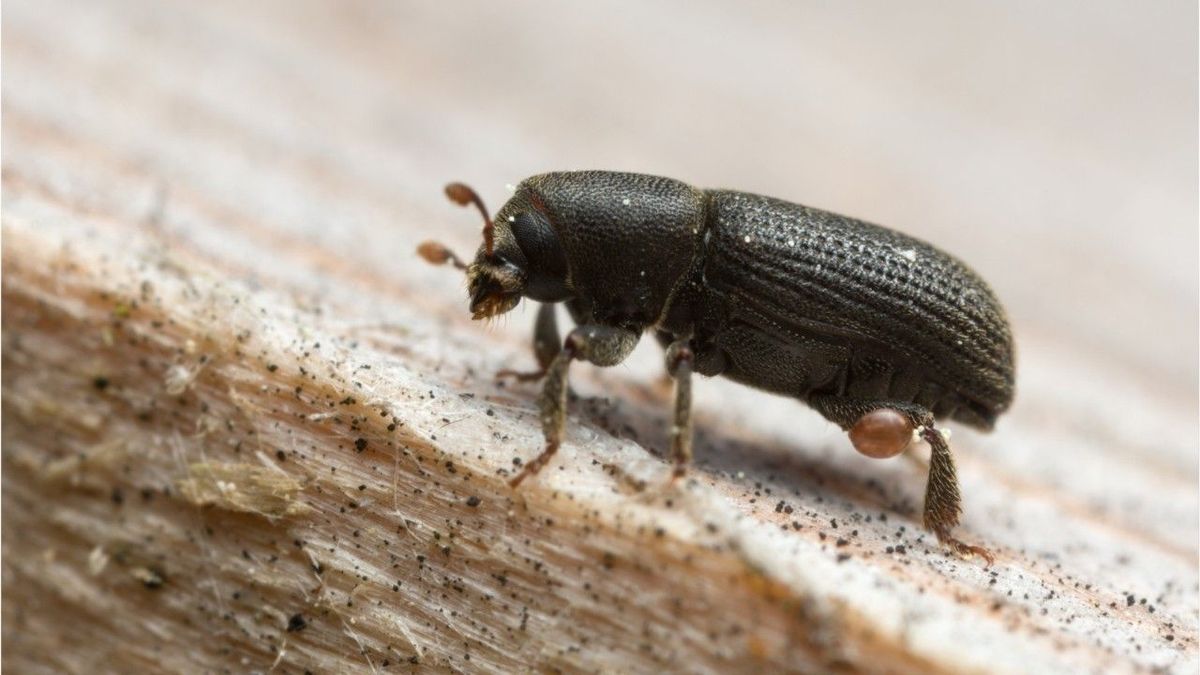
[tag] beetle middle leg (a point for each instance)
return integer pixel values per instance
(874, 426)
(545, 345)
(679, 360)
(600, 345)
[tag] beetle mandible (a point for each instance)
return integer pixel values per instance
(879, 332)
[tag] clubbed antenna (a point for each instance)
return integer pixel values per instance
(462, 195)
(437, 254)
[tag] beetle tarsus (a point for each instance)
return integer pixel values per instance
(535, 465)
(965, 550)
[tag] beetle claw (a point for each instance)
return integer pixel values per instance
(965, 550)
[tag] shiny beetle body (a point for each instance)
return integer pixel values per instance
(850, 317)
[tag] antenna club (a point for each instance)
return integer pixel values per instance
(462, 194)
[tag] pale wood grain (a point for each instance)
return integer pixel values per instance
(195, 196)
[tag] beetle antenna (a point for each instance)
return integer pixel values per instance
(461, 194)
(436, 253)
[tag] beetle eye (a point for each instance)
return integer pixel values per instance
(539, 242)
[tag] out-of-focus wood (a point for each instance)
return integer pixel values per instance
(245, 428)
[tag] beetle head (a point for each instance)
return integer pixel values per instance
(520, 255)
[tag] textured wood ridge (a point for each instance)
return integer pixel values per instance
(245, 429)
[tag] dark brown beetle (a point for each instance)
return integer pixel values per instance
(879, 332)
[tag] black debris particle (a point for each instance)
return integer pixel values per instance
(100, 383)
(297, 622)
(360, 444)
(473, 501)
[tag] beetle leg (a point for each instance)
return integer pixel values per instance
(600, 345)
(545, 345)
(679, 366)
(943, 500)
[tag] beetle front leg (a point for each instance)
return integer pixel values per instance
(600, 345)
(545, 345)
(679, 366)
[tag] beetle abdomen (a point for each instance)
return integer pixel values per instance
(912, 317)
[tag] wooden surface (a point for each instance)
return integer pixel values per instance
(233, 396)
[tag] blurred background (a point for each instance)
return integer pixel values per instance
(1051, 145)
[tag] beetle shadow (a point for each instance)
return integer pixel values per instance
(749, 459)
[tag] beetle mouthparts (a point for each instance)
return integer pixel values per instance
(487, 305)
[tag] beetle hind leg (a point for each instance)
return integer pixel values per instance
(943, 500)
(878, 429)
